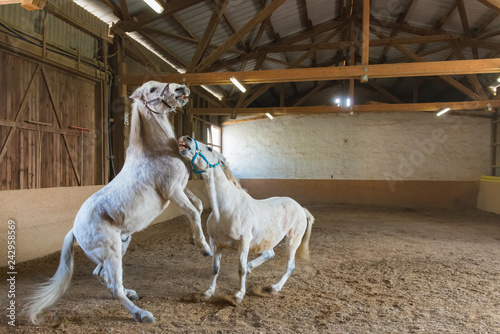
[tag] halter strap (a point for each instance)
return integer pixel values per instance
(158, 99)
(209, 165)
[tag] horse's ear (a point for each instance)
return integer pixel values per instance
(137, 94)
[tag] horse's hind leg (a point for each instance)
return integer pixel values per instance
(215, 269)
(113, 266)
(101, 273)
(198, 204)
(293, 242)
(267, 255)
(180, 199)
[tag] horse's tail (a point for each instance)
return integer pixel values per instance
(48, 293)
(303, 250)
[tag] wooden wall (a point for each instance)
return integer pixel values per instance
(45, 155)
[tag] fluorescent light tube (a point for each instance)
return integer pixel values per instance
(155, 5)
(269, 115)
(237, 84)
(445, 110)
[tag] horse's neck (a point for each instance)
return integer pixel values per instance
(220, 189)
(151, 135)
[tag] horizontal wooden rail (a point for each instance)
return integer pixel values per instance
(410, 107)
(418, 69)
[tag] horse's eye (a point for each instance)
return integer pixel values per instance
(152, 90)
(210, 149)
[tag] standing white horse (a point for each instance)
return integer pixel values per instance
(240, 222)
(154, 173)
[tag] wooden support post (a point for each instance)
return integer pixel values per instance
(366, 33)
(122, 93)
(105, 118)
(44, 38)
(495, 142)
(352, 62)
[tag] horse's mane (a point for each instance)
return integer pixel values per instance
(229, 174)
(135, 139)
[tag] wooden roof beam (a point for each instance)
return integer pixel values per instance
(448, 79)
(395, 30)
(492, 4)
(124, 10)
(60, 13)
(465, 24)
(474, 81)
(383, 107)
(251, 24)
(220, 8)
(419, 69)
(146, 18)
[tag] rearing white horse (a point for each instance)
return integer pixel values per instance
(240, 222)
(154, 173)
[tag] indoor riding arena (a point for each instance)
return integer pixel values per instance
(349, 148)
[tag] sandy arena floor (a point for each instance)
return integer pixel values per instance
(372, 270)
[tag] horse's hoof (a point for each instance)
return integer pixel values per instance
(131, 294)
(207, 253)
(145, 317)
(207, 295)
(238, 297)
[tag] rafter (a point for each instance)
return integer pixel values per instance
(319, 86)
(474, 81)
(388, 95)
(448, 79)
(146, 18)
(261, 16)
(220, 8)
(492, 4)
(465, 24)
(394, 30)
(124, 10)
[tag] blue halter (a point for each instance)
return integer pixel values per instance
(203, 157)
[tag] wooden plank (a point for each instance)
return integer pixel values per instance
(18, 113)
(77, 175)
(251, 24)
(419, 69)
(401, 107)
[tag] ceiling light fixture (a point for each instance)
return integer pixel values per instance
(237, 84)
(269, 115)
(155, 5)
(445, 110)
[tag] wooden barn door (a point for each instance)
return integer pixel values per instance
(39, 110)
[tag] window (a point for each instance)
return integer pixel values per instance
(214, 137)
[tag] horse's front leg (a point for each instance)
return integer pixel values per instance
(242, 271)
(198, 204)
(215, 269)
(180, 199)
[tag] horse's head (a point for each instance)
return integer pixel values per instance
(161, 97)
(201, 156)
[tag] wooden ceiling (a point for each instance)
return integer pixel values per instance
(431, 51)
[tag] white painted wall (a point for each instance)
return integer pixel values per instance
(369, 146)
